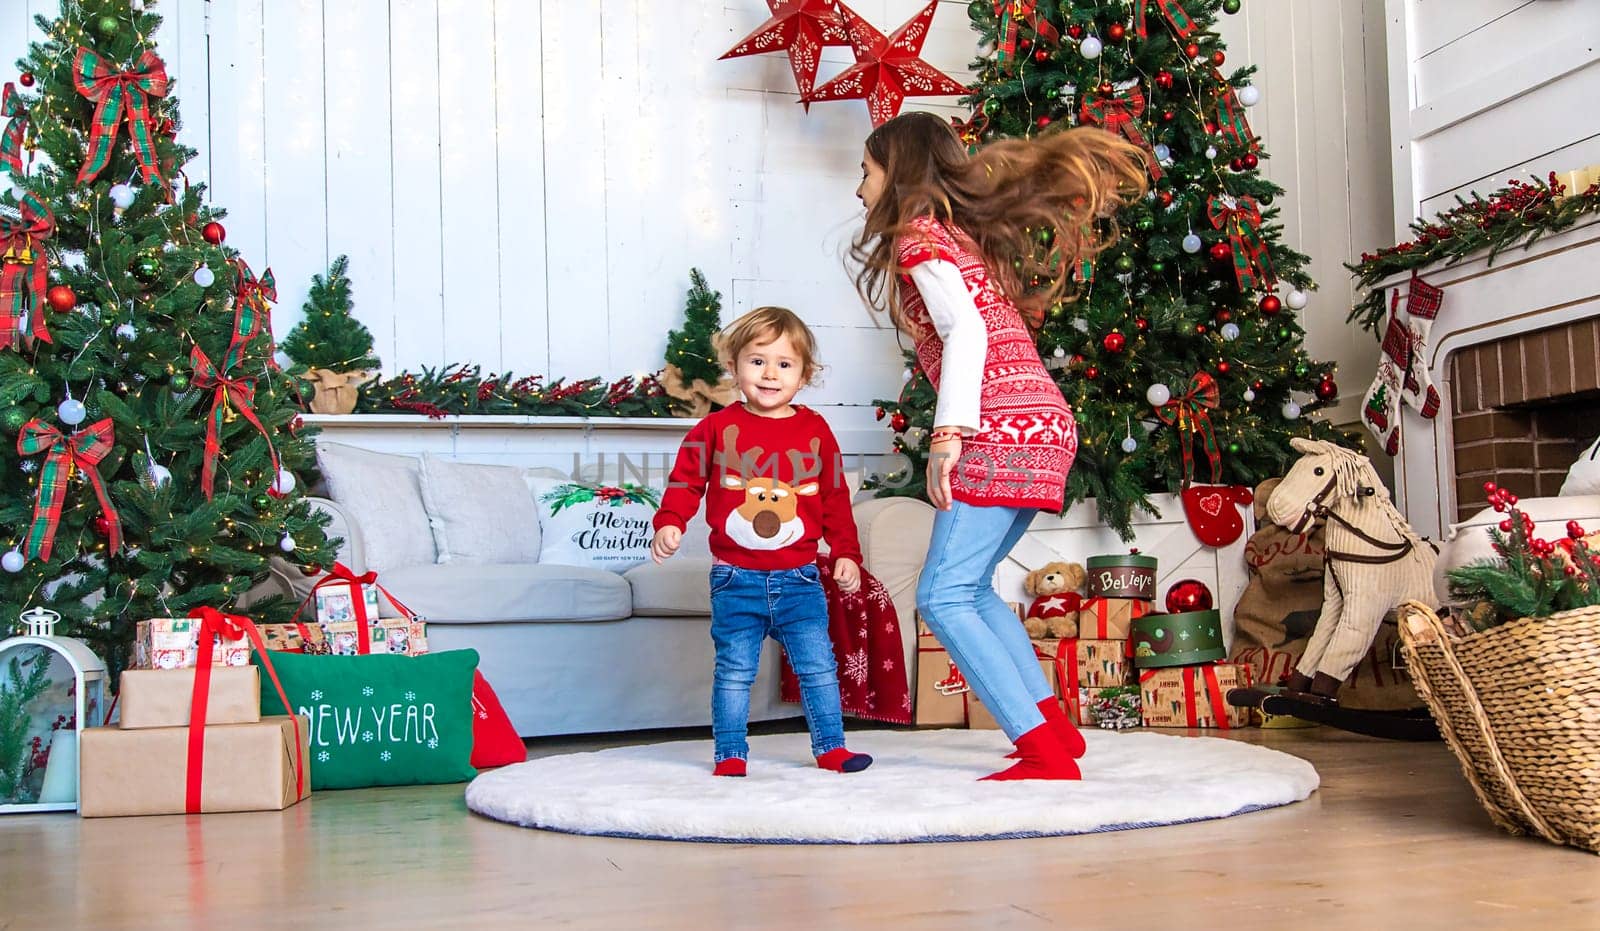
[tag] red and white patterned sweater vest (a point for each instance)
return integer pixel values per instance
(1026, 437)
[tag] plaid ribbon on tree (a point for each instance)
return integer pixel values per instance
(24, 270)
(1188, 414)
(16, 129)
(1182, 23)
(1119, 113)
(117, 94)
(1240, 217)
(82, 450)
(1013, 13)
(237, 393)
(1230, 115)
(250, 312)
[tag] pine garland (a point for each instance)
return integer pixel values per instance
(462, 389)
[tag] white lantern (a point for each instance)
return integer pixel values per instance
(61, 685)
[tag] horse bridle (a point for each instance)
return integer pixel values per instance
(1392, 552)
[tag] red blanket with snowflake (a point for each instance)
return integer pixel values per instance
(866, 641)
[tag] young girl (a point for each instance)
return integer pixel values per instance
(949, 242)
(771, 474)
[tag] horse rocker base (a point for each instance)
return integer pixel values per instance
(1413, 724)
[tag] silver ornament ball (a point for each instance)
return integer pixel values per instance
(127, 332)
(1129, 444)
(284, 482)
(1249, 394)
(286, 544)
(1090, 48)
(1249, 95)
(1291, 411)
(13, 561)
(1297, 299)
(205, 277)
(1192, 244)
(1158, 394)
(71, 411)
(121, 196)
(1230, 331)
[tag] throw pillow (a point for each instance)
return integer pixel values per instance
(479, 513)
(598, 526)
(494, 740)
(381, 720)
(383, 494)
(1584, 476)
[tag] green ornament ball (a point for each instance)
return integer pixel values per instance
(1053, 93)
(991, 106)
(180, 382)
(1301, 370)
(1283, 332)
(262, 502)
(15, 418)
(1124, 263)
(1145, 223)
(1157, 267)
(147, 267)
(1231, 6)
(980, 10)
(1234, 449)
(108, 25)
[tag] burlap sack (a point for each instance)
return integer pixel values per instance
(1279, 609)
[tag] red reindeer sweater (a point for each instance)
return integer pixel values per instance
(773, 487)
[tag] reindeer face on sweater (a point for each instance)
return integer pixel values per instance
(768, 518)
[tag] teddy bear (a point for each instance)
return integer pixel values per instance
(1054, 610)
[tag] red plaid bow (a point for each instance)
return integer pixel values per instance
(83, 450)
(24, 270)
(118, 95)
(239, 393)
(1119, 113)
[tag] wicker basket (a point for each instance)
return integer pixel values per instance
(1520, 706)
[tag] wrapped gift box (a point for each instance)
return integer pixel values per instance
(162, 697)
(1193, 696)
(392, 635)
(336, 603)
(1114, 708)
(1186, 639)
(248, 767)
(173, 643)
(294, 638)
(941, 689)
(978, 715)
(1110, 618)
(1082, 663)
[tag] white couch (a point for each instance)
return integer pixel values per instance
(573, 649)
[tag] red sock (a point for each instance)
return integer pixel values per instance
(1043, 757)
(841, 760)
(1061, 725)
(732, 766)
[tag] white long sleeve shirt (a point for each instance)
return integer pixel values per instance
(959, 323)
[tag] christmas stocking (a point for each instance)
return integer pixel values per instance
(1422, 307)
(1380, 409)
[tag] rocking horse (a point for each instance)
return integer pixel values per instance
(1374, 562)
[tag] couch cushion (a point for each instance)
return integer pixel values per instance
(601, 526)
(383, 495)
(466, 593)
(479, 513)
(681, 587)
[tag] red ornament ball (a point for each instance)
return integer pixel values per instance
(1164, 80)
(1025, 42)
(1258, 384)
(1114, 342)
(898, 422)
(1211, 128)
(1164, 198)
(1223, 367)
(1221, 252)
(214, 233)
(1188, 595)
(1192, 50)
(1141, 324)
(879, 413)
(25, 79)
(1042, 54)
(1200, 329)
(102, 526)
(1224, 315)
(1249, 160)
(310, 570)
(1236, 165)
(1075, 31)
(1116, 32)
(1217, 58)
(1106, 88)
(1091, 373)
(1271, 305)
(1044, 121)
(61, 298)
(1168, 116)
(1327, 389)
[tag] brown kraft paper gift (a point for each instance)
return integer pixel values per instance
(162, 697)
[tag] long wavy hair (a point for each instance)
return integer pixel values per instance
(1033, 208)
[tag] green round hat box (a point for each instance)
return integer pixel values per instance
(1161, 640)
(1126, 575)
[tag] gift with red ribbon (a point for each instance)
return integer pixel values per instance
(82, 450)
(24, 270)
(342, 576)
(215, 625)
(118, 96)
(1188, 413)
(1240, 218)
(237, 393)
(1119, 112)
(1085, 665)
(16, 131)
(1013, 14)
(1231, 120)
(1110, 618)
(1172, 696)
(1183, 25)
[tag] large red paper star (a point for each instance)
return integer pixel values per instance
(803, 28)
(888, 70)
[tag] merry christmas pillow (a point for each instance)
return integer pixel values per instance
(382, 720)
(595, 525)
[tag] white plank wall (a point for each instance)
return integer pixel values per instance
(1492, 90)
(526, 183)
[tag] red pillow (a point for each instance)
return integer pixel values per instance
(494, 740)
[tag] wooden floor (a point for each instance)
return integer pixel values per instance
(1393, 839)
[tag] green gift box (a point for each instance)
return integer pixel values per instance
(1161, 640)
(1124, 575)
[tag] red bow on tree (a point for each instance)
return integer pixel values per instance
(1013, 13)
(1240, 217)
(250, 312)
(1189, 414)
(11, 140)
(24, 268)
(238, 393)
(66, 454)
(888, 69)
(119, 94)
(1182, 23)
(1119, 113)
(1230, 114)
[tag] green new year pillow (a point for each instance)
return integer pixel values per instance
(381, 720)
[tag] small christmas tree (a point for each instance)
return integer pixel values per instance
(330, 337)
(693, 375)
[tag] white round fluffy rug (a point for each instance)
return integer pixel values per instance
(922, 787)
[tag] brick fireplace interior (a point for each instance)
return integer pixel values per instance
(1524, 408)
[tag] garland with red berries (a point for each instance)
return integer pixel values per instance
(1533, 577)
(462, 389)
(1519, 214)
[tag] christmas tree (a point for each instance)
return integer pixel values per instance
(155, 464)
(1182, 362)
(329, 336)
(693, 375)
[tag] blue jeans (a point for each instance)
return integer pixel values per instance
(957, 598)
(747, 606)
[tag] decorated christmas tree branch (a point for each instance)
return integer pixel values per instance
(1533, 577)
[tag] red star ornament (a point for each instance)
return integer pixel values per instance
(801, 27)
(888, 69)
